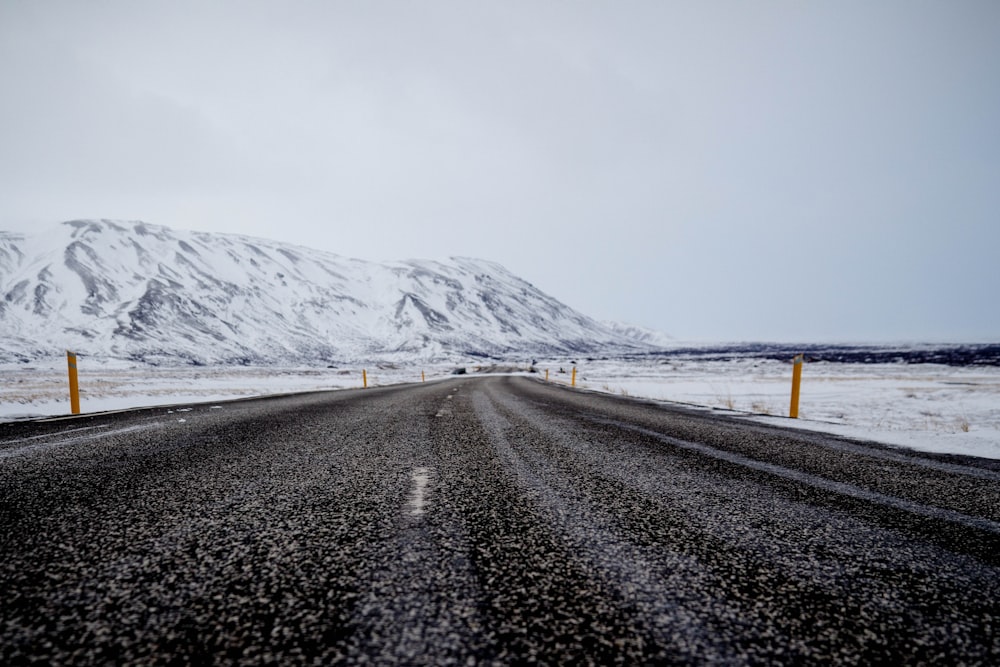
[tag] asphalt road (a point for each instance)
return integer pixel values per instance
(485, 520)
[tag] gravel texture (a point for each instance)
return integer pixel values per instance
(490, 520)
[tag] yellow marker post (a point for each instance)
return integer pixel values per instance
(793, 411)
(364, 377)
(422, 379)
(74, 385)
(546, 374)
(572, 380)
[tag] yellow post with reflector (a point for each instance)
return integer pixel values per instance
(74, 385)
(364, 378)
(546, 374)
(572, 380)
(793, 410)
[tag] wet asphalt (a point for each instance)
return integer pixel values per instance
(486, 520)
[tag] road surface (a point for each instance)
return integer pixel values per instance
(485, 520)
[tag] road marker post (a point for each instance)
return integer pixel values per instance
(364, 378)
(793, 410)
(74, 385)
(572, 380)
(546, 374)
(422, 379)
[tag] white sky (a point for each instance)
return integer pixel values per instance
(780, 170)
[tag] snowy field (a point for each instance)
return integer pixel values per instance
(931, 407)
(41, 389)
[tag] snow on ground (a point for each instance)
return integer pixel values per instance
(41, 389)
(922, 406)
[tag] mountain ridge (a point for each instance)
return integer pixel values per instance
(133, 290)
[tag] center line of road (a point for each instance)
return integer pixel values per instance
(420, 477)
(445, 409)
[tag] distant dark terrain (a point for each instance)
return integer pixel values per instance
(980, 354)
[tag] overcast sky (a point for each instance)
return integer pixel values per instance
(775, 170)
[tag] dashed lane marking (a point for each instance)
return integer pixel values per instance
(420, 478)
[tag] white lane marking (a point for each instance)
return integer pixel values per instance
(815, 481)
(420, 477)
(49, 435)
(42, 446)
(445, 409)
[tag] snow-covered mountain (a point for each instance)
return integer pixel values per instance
(137, 291)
